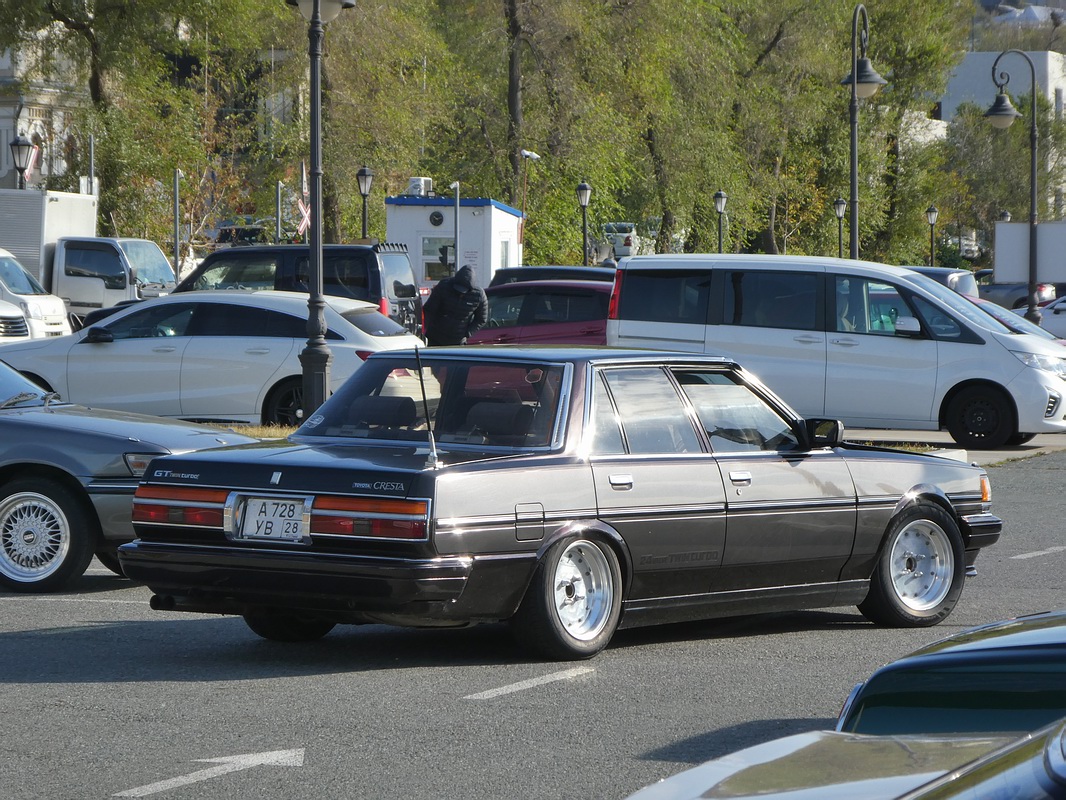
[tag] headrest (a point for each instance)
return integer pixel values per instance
(500, 419)
(391, 412)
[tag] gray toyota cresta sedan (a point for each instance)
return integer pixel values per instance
(570, 491)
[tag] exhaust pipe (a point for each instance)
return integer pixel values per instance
(161, 602)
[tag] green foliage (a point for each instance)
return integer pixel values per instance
(656, 103)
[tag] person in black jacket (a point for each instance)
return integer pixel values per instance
(456, 308)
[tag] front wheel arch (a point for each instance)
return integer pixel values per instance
(920, 569)
(994, 393)
(30, 376)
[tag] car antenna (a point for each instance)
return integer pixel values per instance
(433, 461)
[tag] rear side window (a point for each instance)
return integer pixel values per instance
(376, 324)
(652, 414)
(666, 295)
(765, 299)
(343, 274)
(239, 271)
(223, 319)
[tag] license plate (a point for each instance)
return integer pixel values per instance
(280, 519)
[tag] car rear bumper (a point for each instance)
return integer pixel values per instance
(345, 588)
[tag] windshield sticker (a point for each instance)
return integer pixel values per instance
(315, 421)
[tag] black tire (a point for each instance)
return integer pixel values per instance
(47, 536)
(573, 604)
(284, 404)
(109, 558)
(286, 626)
(920, 571)
(981, 417)
(1020, 438)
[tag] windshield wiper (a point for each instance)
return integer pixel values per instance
(21, 397)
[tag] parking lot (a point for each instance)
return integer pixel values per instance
(105, 697)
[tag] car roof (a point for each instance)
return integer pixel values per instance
(560, 283)
(762, 261)
(566, 353)
(1022, 637)
(267, 298)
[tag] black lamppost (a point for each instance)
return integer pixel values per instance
(21, 152)
(584, 192)
(840, 205)
(864, 82)
(1001, 115)
(720, 199)
(315, 358)
(931, 214)
(365, 176)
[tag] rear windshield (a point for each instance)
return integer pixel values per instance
(373, 322)
(966, 699)
(477, 403)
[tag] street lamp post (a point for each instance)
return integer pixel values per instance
(315, 358)
(1001, 115)
(365, 176)
(840, 206)
(864, 82)
(584, 192)
(931, 214)
(21, 152)
(720, 199)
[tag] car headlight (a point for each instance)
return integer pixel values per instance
(137, 463)
(31, 310)
(1056, 366)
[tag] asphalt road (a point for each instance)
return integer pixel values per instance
(102, 697)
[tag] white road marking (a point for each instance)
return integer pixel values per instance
(226, 764)
(1049, 551)
(565, 675)
(39, 599)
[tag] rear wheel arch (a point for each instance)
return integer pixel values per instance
(275, 404)
(594, 529)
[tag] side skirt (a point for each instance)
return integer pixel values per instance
(654, 611)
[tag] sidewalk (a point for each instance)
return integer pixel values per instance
(1039, 445)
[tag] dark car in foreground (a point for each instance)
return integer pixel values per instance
(67, 477)
(546, 312)
(826, 765)
(1005, 676)
(570, 491)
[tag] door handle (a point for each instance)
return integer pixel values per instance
(257, 351)
(845, 342)
(162, 349)
(621, 482)
(806, 339)
(740, 477)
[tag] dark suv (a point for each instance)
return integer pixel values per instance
(379, 273)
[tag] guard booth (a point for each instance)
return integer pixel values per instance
(488, 231)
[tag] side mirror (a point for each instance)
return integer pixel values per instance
(908, 326)
(824, 432)
(98, 336)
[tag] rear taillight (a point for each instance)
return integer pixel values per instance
(179, 505)
(374, 518)
(364, 354)
(629, 241)
(616, 291)
(383, 306)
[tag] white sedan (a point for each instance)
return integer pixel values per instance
(205, 356)
(1053, 317)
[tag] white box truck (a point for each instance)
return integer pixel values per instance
(53, 235)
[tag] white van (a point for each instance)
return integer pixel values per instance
(872, 345)
(46, 314)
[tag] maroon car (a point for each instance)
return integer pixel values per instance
(546, 312)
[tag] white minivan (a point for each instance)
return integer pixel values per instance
(46, 314)
(873, 345)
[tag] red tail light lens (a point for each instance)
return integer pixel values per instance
(612, 309)
(351, 516)
(383, 306)
(179, 505)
